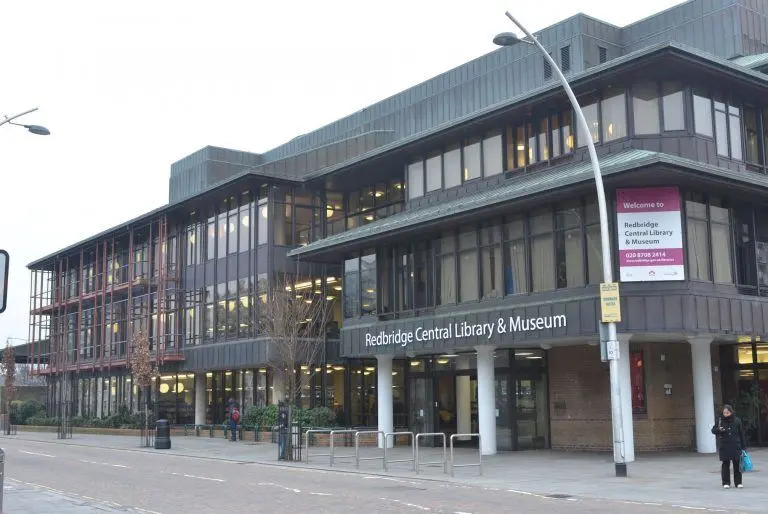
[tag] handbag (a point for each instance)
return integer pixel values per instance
(746, 461)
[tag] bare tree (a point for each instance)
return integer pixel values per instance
(143, 371)
(294, 320)
(9, 373)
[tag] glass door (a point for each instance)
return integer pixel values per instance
(503, 413)
(531, 413)
(421, 398)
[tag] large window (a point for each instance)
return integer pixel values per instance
(697, 237)
(515, 268)
(445, 268)
(352, 287)
(569, 250)
(593, 243)
(469, 286)
(645, 108)
(368, 283)
(452, 167)
(720, 227)
(752, 135)
(593, 122)
(702, 114)
(493, 159)
(542, 251)
(263, 226)
(673, 106)
(434, 173)
(415, 180)
(472, 161)
(490, 257)
(614, 115)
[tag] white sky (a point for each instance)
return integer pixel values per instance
(128, 88)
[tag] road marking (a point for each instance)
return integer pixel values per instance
(38, 454)
(119, 466)
(321, 494)
(197, 477)
(291, 489)
(413, 505)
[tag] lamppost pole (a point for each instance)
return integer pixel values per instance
(619, 455)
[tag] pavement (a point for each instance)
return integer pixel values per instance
(200, 474)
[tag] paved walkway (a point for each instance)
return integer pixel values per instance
(23, 498)
(681, 479)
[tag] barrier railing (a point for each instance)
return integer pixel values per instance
(413, 449)
(479, 462)
(332, 436)
(308, 434)
(442, 462)
(380, 438)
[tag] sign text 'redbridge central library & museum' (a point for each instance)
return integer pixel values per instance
(463, 330)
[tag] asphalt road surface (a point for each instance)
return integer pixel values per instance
(167, 484)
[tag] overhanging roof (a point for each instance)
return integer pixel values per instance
(521, 187)
(752, 61)
(552, 86)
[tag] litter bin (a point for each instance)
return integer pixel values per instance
(162, 435)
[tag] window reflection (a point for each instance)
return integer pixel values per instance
(472, 165)
(645, 108)
(673, 106)
(590, 114)
(614, 116)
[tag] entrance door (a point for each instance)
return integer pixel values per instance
(421, 399)
(531, 413)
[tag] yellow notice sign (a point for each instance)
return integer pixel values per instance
(610, 305)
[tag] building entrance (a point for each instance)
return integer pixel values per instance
(442, 397)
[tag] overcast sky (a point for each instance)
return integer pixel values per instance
(128, 90)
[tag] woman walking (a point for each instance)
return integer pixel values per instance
(730, 432)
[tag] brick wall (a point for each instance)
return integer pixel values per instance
(580, 410)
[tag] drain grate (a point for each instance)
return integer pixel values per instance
(559, 496)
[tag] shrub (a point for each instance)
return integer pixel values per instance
(22, 411)
(263, 417)
(322, 417)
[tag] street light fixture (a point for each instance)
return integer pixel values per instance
(35, 129)
(619, 453)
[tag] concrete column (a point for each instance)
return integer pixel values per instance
(703, 393)
(463, 398)
(200, 397)
(384, 397)
(625, 383)
(278, 387)
(486, 399)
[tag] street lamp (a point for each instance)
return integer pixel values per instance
(619, 455)
(35, 129)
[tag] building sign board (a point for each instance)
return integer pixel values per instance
(463, 330)
(650, 234)
(610, 304)
(3, 279)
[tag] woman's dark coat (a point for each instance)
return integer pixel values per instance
(730, 434)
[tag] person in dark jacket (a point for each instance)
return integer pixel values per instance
(730, 433)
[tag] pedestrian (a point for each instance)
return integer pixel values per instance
(730, 433)
(234, 419)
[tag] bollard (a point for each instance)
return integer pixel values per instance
(162, 435)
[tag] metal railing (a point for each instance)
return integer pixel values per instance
(442, 462)
(308, 435)
(380, 439)
(394, 438)
(479, 462)
(331, 443)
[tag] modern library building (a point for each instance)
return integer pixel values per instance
(453, 229)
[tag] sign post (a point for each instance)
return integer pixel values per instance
(3, 279)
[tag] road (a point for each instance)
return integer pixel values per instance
(115, 480)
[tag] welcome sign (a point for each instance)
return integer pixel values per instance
(463, 330)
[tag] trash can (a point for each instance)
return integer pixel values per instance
(162, 435)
